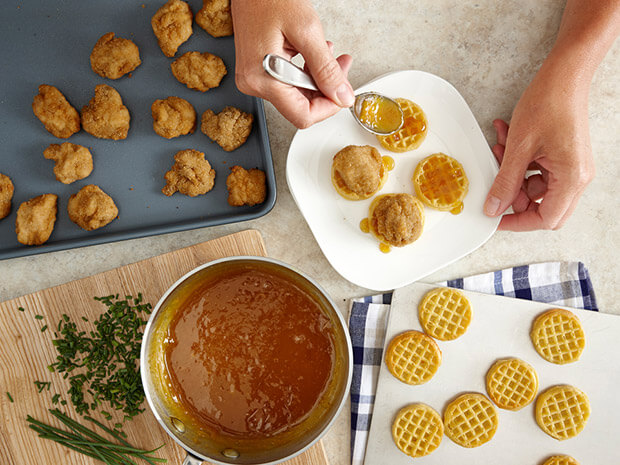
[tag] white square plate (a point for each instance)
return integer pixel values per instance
(334, 221)
(500, 328)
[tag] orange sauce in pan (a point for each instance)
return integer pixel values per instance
(248, 354)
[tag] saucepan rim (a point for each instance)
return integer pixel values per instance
(150, 396)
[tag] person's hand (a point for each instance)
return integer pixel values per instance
(286, 28)
(548, 133)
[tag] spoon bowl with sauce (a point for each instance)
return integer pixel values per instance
(374, 112)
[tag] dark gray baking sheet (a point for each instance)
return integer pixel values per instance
(49, 42)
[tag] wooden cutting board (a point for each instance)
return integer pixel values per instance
(26, 351)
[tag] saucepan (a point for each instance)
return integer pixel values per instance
(245, 360)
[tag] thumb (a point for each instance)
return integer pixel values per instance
(507, 183)
(324, 68)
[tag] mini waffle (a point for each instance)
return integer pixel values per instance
(512, 383)
(412, 133)
(470, 420)
(417, 430)
(558, 337)
(413, 357)
(441, 183)
(562, 411)
(561, 460)
(444, 313)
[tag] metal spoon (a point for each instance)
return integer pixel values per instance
(288, 73)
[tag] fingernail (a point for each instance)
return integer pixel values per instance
(345, 95)
(491, 206)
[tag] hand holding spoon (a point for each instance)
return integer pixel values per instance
(374, 112)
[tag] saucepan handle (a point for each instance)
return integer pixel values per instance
(192, 460)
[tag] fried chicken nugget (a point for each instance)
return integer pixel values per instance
(55, 112)
(191, 174)
(91, 208)
(114, 57)
(73, 162)
(246, 187)
(6, 195)
(105, 116)
(35, 219)
(215, 18)
(173, 117)
(230, 128)
(199, 71)
(172, 25)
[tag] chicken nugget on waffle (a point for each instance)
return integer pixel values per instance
(417, 430)
(173, 117)
(396, 219)
(6, 195)
(246, 187)
(358, 172)
(55, 112)
(445, 313)
(558, 336)
(172, 25)
(441, 183)
(413, 357)
(512, 383)
(215, 18)
(561, 460)
(470, 420)
(91, 208)
(199, 71)
(113, 57)
(191, 174)
(230, 128)
(413, 131)
(73, 162)
(35, 219)
(562, 411)
(105, 116)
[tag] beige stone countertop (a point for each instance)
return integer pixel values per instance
(489, 51)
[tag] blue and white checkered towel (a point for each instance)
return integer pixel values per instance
(562, 283)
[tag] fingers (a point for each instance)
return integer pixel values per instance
(501, 128)
(511, 173)
(324, 68)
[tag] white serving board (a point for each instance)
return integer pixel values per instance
(500, 328)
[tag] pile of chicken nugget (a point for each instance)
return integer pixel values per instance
(106, 117)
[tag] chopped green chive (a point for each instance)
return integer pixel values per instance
(8, 394)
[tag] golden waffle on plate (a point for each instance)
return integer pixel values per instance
(561, 460)
(417, 430)
(562, 411)
(413, 357)
(512, 383)
(558, 336)
(413, 132)
(441, 183)
(444, 313)
(470, 420)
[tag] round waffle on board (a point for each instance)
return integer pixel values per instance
(413, 357)
(441, 183)
(470, 420)
(512, 383)
(562, 411)
(417, 430)
(558, 336)
(561, 460)
(412, 133)
(445, 313)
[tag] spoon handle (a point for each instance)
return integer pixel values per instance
(288, 73)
